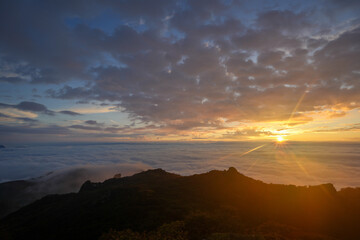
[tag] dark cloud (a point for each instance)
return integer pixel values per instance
(82, 127)
(4, 115)
(342, 5)
(91, 122)
(100, 128)
(82, 102)
(71, 113)
(142, 8)
(37, 108)
(284, 21)
(68, 92)
(32, 131)
(12, 79)
(33, 107)
(30, 107)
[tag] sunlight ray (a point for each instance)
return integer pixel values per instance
(297, 106)
(254, 162)
(256, 148)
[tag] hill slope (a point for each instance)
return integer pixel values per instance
(217, 202)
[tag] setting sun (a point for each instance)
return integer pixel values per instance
(280, 139)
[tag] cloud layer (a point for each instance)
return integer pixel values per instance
(72, 164)
(180, 66)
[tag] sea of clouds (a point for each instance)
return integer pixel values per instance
(61, 168)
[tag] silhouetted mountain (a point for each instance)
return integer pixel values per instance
(213, 205)
(16, 194)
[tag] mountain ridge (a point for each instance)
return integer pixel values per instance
(145, 201)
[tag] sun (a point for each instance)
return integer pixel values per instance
(280, 139)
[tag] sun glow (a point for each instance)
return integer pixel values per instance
(280, 139)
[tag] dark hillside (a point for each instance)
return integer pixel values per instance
(213, 205)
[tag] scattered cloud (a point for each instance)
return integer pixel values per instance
(5, 117)
(36, 108)
(245, 133)
(91, 122)
(71, 113)
(349, 127)
(30, 107)
(29, 129)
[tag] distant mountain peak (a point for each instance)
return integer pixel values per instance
(88, 186)
(156, 172)
(232, 170)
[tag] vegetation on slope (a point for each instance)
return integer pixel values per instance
(215, 205)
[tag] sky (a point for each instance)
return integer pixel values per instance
(169, 70)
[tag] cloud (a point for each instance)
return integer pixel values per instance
(68, 92)
(350, 127)
(100, 128)
(91, 122)
(286, 21)
(33, 107)
(29, 106)
(11, 79)
(71, 113)
(71, 178)
(247, 132)
(21, 119)
(91, 128)
(186, 64)
(37, 108)
(25, 131)
(28, 129)
(13, 112)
